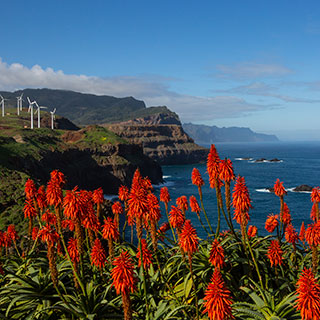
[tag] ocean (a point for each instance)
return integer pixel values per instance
(299, 164)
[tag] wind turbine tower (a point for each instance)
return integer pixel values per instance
(19, 104)
(53, 118)
(38, 110)
(2, 104)
(31, 110)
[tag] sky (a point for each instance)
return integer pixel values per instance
(227, 63)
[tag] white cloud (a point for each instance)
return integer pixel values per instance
(152, 90)
(251, 70)
(263, 89)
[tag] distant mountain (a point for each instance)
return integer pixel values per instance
(205, 135)
(84, 109)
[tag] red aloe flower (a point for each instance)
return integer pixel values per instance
(30, 189)
(279, 189)
(312, 234)
(49, 235)
(58, 176)
(41, 198)
(239, 216)
(315, 195)
(194, 206)
(213, 166)
(216, 254)
(164, 195)
(54, 188)
(188, 240)
(240, 197)
(146, 255)
(218, 299)
(68, 224)
(12, 233)
(196, 178)
(313, 212)
(176, 217)
(124, 281)
(123, 273)
(275, 253)
(117, 208)
(109, 230)
(73, 251)
(302, 233)
(6, 239)
(308, 291)
(252, 231)
(286, 216)
(291, 234)
(91, 222)
(49, 218)
(154, 213)
(138, 204)
(97, 196)
(74, 204)
(98, 254)
(28, 210)
(35, 232)
(123, 193)
(272, 222)
(182, 203)
(226, 170)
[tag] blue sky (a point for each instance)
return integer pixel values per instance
(226, 63)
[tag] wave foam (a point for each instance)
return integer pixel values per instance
(263, 190)
(243, 159)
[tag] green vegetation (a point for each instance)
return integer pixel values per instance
(95, 136)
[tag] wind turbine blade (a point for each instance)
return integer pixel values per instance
(54, 110)
(28, 100)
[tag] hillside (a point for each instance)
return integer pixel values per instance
(84, 109)
(90, 157)
(206, 135)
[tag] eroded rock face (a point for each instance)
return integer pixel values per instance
(90, 169)
(165, 143)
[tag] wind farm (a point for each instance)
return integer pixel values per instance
(19, 111)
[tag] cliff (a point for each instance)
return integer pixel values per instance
(163, 139)
(206, 135)
(90, 158)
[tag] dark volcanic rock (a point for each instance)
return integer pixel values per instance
(108, 168)
(260, 160)
(275, 160)
(303, 187)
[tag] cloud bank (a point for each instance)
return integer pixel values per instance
(153, 92)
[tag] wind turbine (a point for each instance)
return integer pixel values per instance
(2, 104)
(19, 104)
(38, 110)
(31, 109)
(53, 117)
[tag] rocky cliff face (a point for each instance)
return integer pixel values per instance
(108, 167)
(165, 143)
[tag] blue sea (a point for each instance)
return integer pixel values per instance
(300, 164)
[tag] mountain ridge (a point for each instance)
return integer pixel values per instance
(206, 135)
